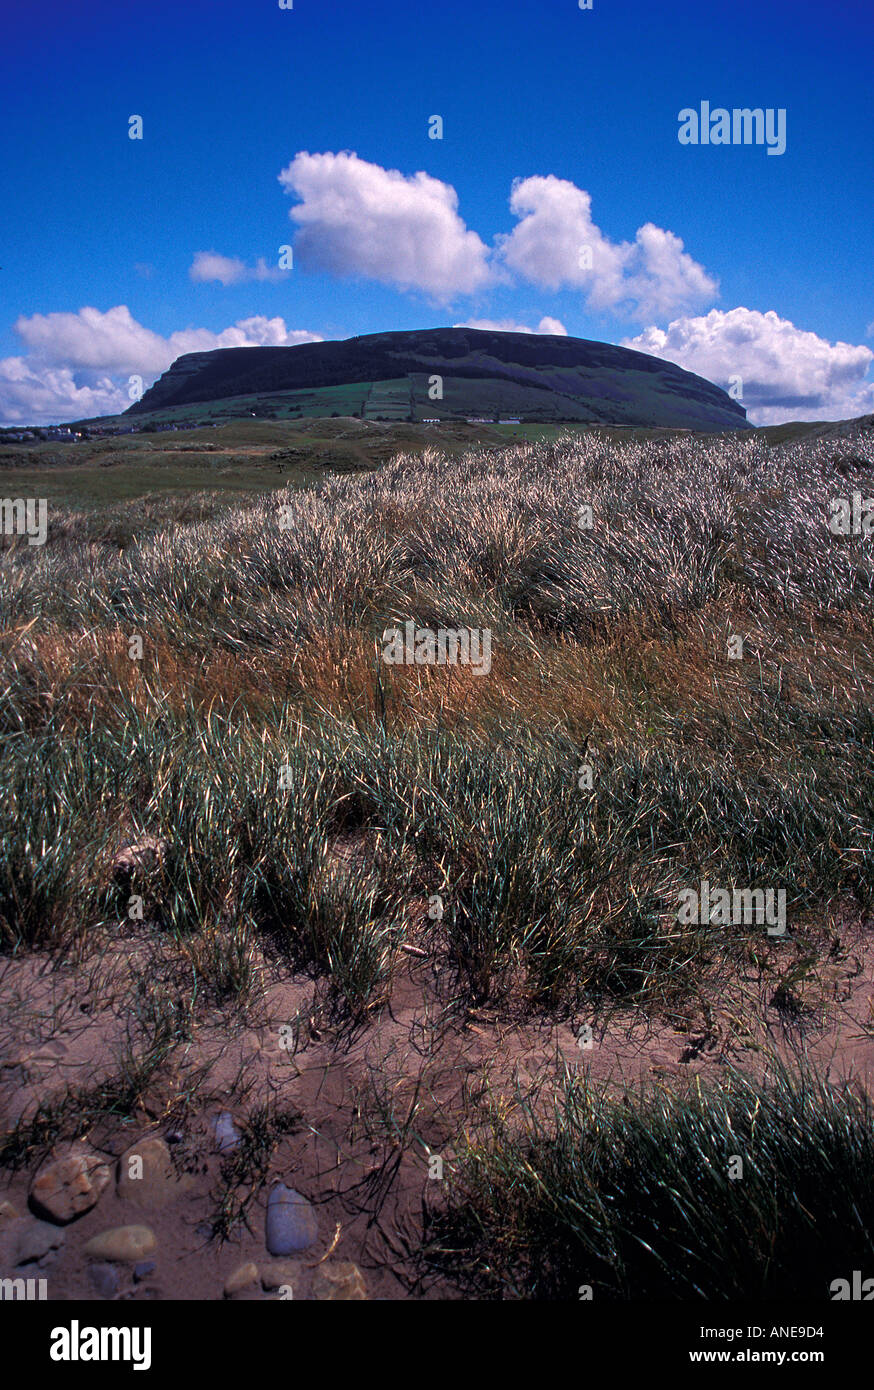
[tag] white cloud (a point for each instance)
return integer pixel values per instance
(72, 360)
(46, 395)
(546, 325)
(786, 372)
(92, 339)
(356, 218)
(228, 270)
(257, 331)
(555, 244)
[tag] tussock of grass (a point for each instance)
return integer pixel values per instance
(637, 1201)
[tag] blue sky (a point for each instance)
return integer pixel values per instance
(560, 132)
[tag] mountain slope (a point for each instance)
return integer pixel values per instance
(528, 375)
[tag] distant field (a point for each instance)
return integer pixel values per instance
(816, 429)
(240, 456)
(257, 455)
(390, 400)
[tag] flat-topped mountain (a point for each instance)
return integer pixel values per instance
(449, 373)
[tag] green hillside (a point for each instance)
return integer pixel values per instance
(443, 374)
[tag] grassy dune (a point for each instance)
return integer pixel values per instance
(261, 728)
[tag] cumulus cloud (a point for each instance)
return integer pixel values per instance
(31, 395)
(92, 339)
(229, 270)
(786, 373)
(546, 325)
(74, 360)
(557, 245)
(356, 218)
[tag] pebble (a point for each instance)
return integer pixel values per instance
(122, 1243)
(339, 1280)
(104, 1280)
(227, 1136)
(143, 1270)
(35, 1239)
(278, 1274)
(69, 1186)
(156, 1184)
(291, 1221)
(143, 857)
(8, 1213)
(242, 1278)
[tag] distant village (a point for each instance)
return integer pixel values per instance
(64, 435)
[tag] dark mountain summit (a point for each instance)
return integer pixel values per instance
(479, 373)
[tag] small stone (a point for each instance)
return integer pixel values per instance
(35, 1239)
(69, 1186)
(143, 857)
(104, 1280)
(242, 1278)
(143, 1270)
(122, 1243)
(8, 1213)
(291, 1221)
(339, 1279)
(146, 1177)
(227, 1136)
(279, 1274)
